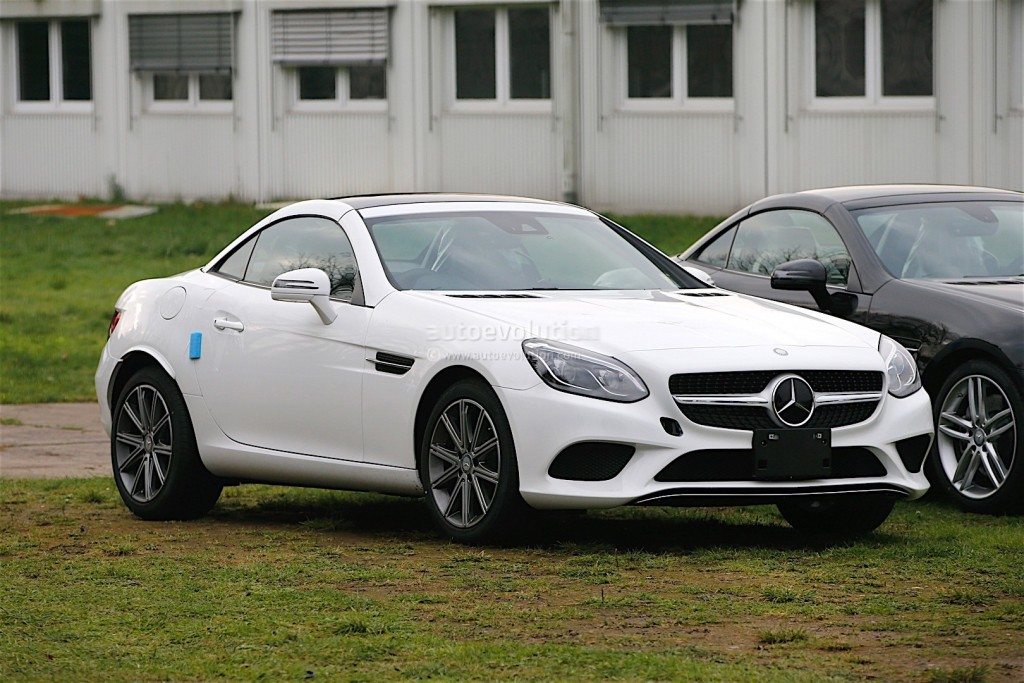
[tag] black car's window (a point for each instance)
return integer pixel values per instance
(304, 242)
(512, 250)
(716, 252)
(767, 240)
(947, 239)
(234, 265)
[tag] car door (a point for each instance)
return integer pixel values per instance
(273, 374)
(766, 240)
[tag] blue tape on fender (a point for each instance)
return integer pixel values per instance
(195, 345)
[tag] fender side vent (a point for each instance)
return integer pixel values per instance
(392, 364)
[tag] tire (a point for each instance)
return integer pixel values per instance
(995, 425)
(844, 516)
(153, 451)
(454, 463)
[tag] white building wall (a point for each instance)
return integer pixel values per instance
(587, 144)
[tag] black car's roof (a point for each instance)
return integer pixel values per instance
(861, 196)
(368, 201)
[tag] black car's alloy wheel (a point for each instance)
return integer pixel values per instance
(153, 451)
(978, 441)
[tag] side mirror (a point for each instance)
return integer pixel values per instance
(804, 275)
(700, 275)
(306, 285)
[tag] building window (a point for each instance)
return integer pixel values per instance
(873, 49)
(502, 54)
(54, 63)
(333, 86)
(169, 91)
(677, 64)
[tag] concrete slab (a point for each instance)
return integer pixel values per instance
(53, 440)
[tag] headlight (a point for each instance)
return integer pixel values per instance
(904, 379)
(578, 371)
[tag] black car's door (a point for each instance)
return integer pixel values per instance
(759, 243)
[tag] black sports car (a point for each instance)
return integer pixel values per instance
(938, 268)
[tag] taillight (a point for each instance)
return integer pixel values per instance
(114, 320)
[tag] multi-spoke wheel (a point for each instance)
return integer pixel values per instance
(153, 451)
(978, 439)
(468, 465)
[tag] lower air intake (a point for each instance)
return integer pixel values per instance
(591, 461)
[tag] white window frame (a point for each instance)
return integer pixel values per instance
(56, 103)
(503, 101)
(873, 99)
(680, 100)
(192, 105)
(342, 101)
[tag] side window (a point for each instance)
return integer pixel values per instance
(234, 265)
(716, 253)
(769, 239)
(304, 242)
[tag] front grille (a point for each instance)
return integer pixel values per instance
(755, 381)
(755, 417)
(738, 465)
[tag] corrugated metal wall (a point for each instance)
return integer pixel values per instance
(611, 157)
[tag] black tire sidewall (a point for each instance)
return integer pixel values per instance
(507, 506)
(1010, 496)
(187, 491)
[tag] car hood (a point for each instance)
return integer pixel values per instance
(617, 321)
(1006, 292)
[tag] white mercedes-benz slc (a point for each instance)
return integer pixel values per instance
(497, 355)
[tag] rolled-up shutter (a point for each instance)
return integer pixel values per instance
(333, 37)
(647, 12)
(181, 42)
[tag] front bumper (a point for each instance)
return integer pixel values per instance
(545, 421)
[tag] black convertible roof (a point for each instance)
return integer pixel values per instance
(367, 201)
(863, 196)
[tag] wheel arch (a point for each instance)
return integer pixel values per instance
(435, 387)
(130, 363)
(960, 352)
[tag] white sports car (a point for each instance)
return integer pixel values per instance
(498, 355)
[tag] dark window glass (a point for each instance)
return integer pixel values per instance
(769, 239)
(234, 265)
(367, 82)
(839, 48)
(530, 53)
(716, 253)
(318, 83)
(709, 60)
(649, 61)
(306, 242)
(215, 86)
(33, 61)
(907, 47)
(170, 87)
(76, 60)
(474, 54)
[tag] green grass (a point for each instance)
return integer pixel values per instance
(60, 277)
(288, 584)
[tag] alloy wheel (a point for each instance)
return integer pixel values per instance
(464, 462)
(142, 443)
(977, 436)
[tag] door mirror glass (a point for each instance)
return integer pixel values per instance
(306, 285)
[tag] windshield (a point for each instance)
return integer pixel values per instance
(947, 240)
(512, 250)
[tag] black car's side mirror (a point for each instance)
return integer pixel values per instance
(804, 275)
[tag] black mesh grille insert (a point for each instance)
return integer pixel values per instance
(591, 461)
(754, 382)
(738, 465)
(754, 417)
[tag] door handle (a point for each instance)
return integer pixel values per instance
(225, 324)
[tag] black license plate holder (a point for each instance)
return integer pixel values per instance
(788, 454)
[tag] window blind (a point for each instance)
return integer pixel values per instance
(331, 37)
(181, 42)
(658, 12)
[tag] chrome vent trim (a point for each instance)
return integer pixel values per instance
(392, 363)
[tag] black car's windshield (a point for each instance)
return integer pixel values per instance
(947, 240)
(513, 250)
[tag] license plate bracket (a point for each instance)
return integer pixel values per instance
(788, 454)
